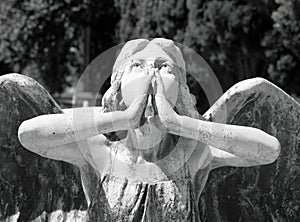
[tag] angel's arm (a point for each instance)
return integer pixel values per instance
(53, 135)
(65, 135)
(63, 128)
(222, 158)
(249, 143)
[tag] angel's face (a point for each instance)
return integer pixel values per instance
(138, 67)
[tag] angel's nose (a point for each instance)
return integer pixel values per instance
(150, 69)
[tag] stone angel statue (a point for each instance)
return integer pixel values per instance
(158, 169)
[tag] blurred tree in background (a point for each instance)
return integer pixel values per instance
(53, 41)
(283, 46)
(228, 35)
(150, 19)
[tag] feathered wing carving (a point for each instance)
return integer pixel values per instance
(263, 193)
(33, 187)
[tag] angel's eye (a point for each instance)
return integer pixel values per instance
(137, 66)
(165, 68)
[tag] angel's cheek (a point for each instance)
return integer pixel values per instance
(171, 88)
(132, 87)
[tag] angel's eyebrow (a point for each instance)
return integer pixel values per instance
(139, 60)
(160, 60)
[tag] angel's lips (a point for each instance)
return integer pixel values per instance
(149, 109)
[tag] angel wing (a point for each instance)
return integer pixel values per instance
(262, 193)
(33, 187)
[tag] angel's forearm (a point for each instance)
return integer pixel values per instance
(246, 142)
(58, 129)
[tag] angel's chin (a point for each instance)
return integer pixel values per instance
(146, 127)
(145, 121)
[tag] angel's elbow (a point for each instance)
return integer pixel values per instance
(274, 150)
(27, 135)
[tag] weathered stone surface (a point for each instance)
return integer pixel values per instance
(263, 193)
(33, 187)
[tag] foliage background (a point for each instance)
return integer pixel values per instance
(53, 41)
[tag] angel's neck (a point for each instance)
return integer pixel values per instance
(146, 143)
